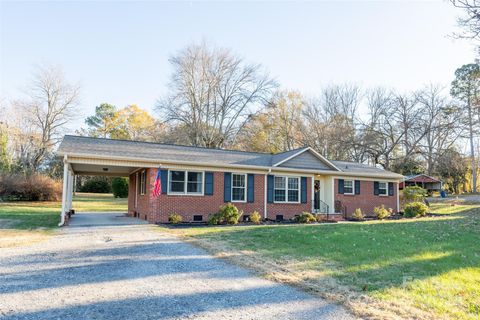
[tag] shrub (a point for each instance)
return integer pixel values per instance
(306, 217)
(35, 187)
(415, 209)
(358, 215)
(414, 194)
(227, 214)
(120, 187)
(96, 185)
(175, 218)
(213, 219)
(381, 212)
(255, 217)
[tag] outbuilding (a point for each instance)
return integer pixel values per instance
(428, 183)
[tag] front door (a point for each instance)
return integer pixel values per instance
(316, 195)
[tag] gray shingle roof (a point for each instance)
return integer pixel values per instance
(87, 146)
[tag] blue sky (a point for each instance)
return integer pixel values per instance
(119, 51)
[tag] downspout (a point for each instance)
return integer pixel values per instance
(398, 197)
(265, 195)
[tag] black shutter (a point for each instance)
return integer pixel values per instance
(390, 188)
(341, 186)
(251, 187)
(270, 188)
(376, 188)
(227, 187)
(164, 180)
(304, 190)
(208, 183)
(357, 186)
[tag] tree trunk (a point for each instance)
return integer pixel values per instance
(472, 150)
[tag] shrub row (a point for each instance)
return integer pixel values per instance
(35, 187)
(229, 214)
(118, 186)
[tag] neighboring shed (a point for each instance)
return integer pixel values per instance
(428, 183)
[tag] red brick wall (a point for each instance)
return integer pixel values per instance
(187, 206)
(143, 209)
(289, 210)
(158, 209)
(366, 200)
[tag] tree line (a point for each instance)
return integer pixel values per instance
(216, 99)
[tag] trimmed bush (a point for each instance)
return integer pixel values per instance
(96, 185)
(175, 218)
(414, 194)
(120, 187)
(35, 187)
(358, 215)
(381, 212)
(228, 214)
(415, 209)
(255, 217)
(306, 217)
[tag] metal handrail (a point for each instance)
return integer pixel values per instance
(323, 207)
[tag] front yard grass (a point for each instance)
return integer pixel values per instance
(426, 268)
(27, 222)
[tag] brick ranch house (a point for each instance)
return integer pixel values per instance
(197, 181)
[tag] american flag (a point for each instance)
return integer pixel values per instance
(157, 186)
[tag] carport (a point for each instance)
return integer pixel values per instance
(77, 162)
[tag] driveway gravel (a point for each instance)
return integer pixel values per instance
(107, 266)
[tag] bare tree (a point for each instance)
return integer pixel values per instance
(466, 89)
(330, 121)
(470, 23)
(374, 132)
(52, 102)
(439, 123)
(213, 94)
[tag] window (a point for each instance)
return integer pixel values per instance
(293, 190)
(348, 187)
(143, 182)
(239, 187)
(383, 188)
(287, 189)
(279, 193)
(194, 182)
(185, 182)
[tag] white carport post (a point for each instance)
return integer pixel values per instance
(64, 192)
(69, 190)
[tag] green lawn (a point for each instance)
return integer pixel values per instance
(427, 267)
(46, 215)
(91, 202)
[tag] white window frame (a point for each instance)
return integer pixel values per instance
(143, 182)
(185, 184)
(353, 187)
(244, 188)
(287, 189)
(380, 188)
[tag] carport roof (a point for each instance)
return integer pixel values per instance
(80, 146)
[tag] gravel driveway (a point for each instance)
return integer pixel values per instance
(106, 266)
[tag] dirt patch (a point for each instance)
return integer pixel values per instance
(14, 238)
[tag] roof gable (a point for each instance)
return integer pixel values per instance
(306, 158)
(421, 178)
